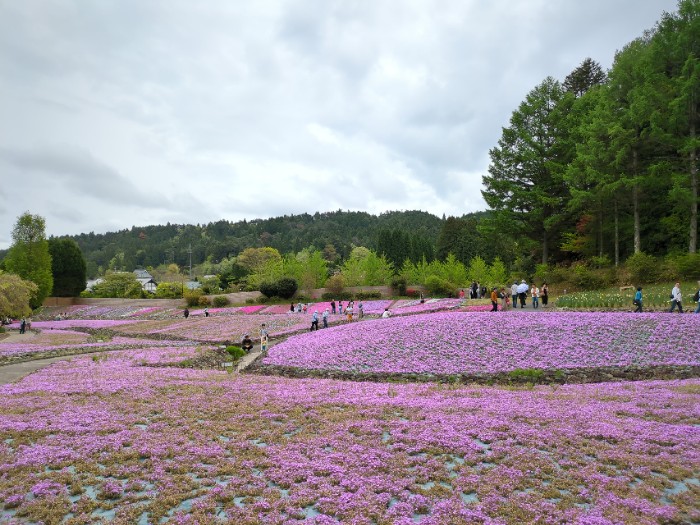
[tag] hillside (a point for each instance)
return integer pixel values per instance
(154, 245)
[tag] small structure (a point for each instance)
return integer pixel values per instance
(148, 284)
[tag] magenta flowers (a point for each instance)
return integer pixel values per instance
(473, 343)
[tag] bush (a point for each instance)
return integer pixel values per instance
(439, 287)
(204, 301)
(685, 266)
(335, 284)
(220, 301)
(526, 375)
(414, 294)
(302, 298)
(268, 289)
(398, 285)
(236, 352)
(2, 329)
(192, 297)
(586, 279)
(642, 268)
(286, 287)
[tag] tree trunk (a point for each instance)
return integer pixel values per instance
(600, 230)
(617, 236)
(693, 247)
(545, 248)
(635, 206)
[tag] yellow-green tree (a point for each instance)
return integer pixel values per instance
(29, 255)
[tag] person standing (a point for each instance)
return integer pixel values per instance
(22, 326)
(360, 310)
(324, 316)
(340, 307)
(291, 307)
(544, 294)
(697, 300)
(514, 294)
(535, 296)
(264, 337)
(494, 300)
(333, 306)
(186, 313)
(314, 321)
(522, 293)
(676, 298)
(461, 293)
(206, 312)
(638, 300)
(504, 299)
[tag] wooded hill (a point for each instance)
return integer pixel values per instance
(334, 233)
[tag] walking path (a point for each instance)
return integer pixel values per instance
(14, 372)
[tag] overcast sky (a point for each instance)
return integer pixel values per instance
(138, 112)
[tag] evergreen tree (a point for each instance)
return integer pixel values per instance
(587, 75)
(67, 267)
(525, 183)
(29, 255)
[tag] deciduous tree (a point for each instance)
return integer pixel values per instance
(29, 255)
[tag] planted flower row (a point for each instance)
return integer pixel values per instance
(110, 440)
(472, 343)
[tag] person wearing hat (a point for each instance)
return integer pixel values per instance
(522, 293)
(314, 321)
(246, 343)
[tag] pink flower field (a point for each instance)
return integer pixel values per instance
(111, 441)
(122, 437)
(478, 343)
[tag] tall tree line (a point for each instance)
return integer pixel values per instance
(606, 164)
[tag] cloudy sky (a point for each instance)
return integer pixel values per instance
(116, 113)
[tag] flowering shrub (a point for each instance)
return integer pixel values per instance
(468, 343)
(109, 440)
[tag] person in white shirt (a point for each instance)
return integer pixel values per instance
(386, 313)
(676, 298)
(514, 294)
(522, 292)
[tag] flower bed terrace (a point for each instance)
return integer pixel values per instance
(483, 345)
(108, 440)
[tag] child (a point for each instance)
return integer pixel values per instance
(638, 300)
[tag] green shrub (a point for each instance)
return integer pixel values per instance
(236, 352)
(220, 301)
(599, 262)
(268, 288)
(398, 285)
(526, 375)
(192, 297)
(584, 278)
(302, 298)
(414, 294)
(439, 287)
(250, 301)
(2, 329)
(335, 284)
(642, 268)
(684, 267)
(286, 287)
(204, 301)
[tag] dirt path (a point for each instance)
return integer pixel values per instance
(15, 372)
